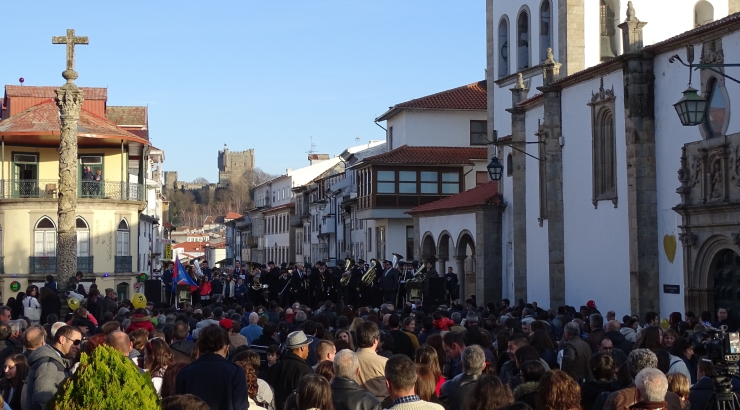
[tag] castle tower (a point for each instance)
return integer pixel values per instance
(234, 164)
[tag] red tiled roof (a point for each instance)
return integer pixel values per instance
(486, 194)
(232, 215)
(89, 93)
(43, 119)
(467, 97)
(190, 246)
(429, 156)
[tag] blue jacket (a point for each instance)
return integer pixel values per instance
(167, 277)
(225, 388)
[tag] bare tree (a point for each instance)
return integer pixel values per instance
(200, 180)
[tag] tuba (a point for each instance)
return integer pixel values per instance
(369, 277)
(348, 264)
(256, 285)
(396, 258)
(421, 275)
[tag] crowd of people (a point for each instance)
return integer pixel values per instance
(231, 354)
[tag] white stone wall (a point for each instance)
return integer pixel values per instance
(432, 128)
(507, 230)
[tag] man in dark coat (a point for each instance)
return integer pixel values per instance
(284, 375)
(181, 347)
(389, 282)
(402, 341)
(167, 277)
(617, 338)
(456, 394)
(576, 354)
(108, 304)
(346, 394)
(299, 285)
(225, 387)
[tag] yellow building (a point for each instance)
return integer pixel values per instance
(110, 191)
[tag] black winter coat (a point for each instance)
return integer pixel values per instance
(700, 392)
(455, 394)
(224, 388)
(619, 341)
(346, 394)
(51, 304)
(285, 375)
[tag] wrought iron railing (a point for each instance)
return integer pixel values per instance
(85, 264)
(42, 264)
(123, 264)
(49, 188)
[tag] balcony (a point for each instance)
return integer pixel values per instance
(42, 264)
(123, 264)
(85, 264)
(48, 264)
(251, 241)
(49, 188)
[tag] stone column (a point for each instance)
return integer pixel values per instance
(552, 127)
(490, 67)
(461, 277)
(489, 253)
(639, 113)
(519, 187)
(571, 37)
(69, 100)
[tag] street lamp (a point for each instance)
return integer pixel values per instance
(691, 108)
(495, 169)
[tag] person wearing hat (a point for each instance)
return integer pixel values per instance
(290, 368)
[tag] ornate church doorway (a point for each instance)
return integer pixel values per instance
(727, 284)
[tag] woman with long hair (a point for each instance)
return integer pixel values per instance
(530, 374)
(427, 356)
(679, 385)
(650, 338)
(684, 350)
(313, 393)
(347, 337)
(602, 367)
(92, 304)
(252, 385)
(325, 369)
(409, 327)
(558, 391)
(158, 358)
(169, 378)
(435, 341)
(31, 305)
(16, 369)
(490, 393)
(545, 348)
(425, 386)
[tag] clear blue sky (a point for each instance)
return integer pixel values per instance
(252, 74)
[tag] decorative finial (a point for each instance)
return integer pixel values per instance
(630, 11)
(601, 85)
(519, 82)
(550, 57)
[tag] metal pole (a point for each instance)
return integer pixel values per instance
(123, 172)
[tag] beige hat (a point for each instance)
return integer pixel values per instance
(296, 339)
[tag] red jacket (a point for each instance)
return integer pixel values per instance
(444, 323)
(140, 322)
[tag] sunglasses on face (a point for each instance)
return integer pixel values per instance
(76, 342)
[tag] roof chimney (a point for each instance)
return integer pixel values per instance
(316, 158)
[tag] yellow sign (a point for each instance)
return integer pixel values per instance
(168, 251)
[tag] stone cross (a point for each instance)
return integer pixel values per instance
(70, 40)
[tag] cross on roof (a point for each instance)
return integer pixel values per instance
(70, 40)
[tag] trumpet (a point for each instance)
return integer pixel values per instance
(369, 277)
(348, 264)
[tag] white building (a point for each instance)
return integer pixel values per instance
(151, 232)
(599, 217)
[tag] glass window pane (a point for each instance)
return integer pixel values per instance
(450, 177)
(386, 187)
(24, 158)
(478, 126)
(407, 175)
(716, 111)
(429, 188)
(407, 188)
(429, 176)
(450, 188)
(386, 175)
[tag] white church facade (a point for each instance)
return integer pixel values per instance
(592, 146)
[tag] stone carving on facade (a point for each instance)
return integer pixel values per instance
(687, 239)
(712, 52)
(602, 95)
(716, 177)
(736, 238)
(684, 176)
(695, 178)
(735, 165)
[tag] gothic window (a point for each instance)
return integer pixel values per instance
(83, 237)
(45, 238)
(522, 40)
(608, 30)
(714, 120)
(509, 166)
(545, 29)
(703, 13)
(122, 239)
(603, 145)
(503, 47)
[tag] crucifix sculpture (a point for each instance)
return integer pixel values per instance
(69, 100)
(70, 40)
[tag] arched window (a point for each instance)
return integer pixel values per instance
(509, 166)
(604, 156)
(122, 239)
(503, 48)
(522, 40)
(714, 120)
(545, 29)
(608, 30)
(83, 238)
(45, 238)
(703, 13)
